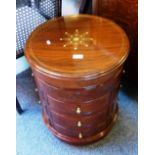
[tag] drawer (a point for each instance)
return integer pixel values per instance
(78, 95)
(86, 108)
(76, 132)
(72, 121)
(72, 83)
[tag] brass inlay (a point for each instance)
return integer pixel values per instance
(77, 39)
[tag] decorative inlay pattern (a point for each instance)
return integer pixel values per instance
(77, 39)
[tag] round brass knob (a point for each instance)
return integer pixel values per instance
(102, 134)
(78, 110)
(36, 89)
(80, 136)
(79, 124)
(124, 71)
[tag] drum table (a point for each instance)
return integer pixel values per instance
(77, 63)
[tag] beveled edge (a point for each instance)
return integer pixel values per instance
(86, 77)
(84, 141)
(92, 75)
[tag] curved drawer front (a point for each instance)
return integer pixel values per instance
(86, 108)
(78, 83)
(71, 121)
(74, 132)
(68, 124)
(80, 112)
(85, 94)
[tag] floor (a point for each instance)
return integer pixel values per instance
(33, 138)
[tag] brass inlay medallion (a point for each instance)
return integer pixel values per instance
(77, 39)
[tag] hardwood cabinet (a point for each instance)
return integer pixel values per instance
(77, 63)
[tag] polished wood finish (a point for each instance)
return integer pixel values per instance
(77, 69)
(125, 13)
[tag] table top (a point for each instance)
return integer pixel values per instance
(77, 46)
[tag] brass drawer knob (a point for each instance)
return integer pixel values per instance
(78, 110)
(36, 89)
(80, 136)
(79, 124)
(124, 71)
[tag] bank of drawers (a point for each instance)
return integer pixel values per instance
(81, 112)
(80, 116)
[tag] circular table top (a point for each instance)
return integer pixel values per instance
(77, 46)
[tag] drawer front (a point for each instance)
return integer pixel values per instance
(72, 121)
(72, 83)
(78, 95)
(68, 124)
(86, 108)
(76, 132)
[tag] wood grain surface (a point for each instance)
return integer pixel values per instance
(77, 63)
(98, 46)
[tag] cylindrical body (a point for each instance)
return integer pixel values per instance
(78, 75)
(74, 107)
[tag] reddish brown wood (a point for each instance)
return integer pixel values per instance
(125, 13)
(78, 95)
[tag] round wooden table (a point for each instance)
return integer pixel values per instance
(77, 63)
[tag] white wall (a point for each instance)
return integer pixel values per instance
(69, 7)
